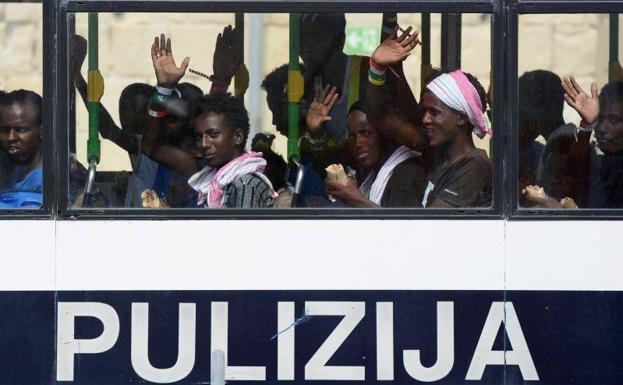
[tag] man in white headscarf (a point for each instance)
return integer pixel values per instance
(452, 109)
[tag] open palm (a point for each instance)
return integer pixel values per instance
(586, 106)
(395, 48)
(320, 108)
(167, 72)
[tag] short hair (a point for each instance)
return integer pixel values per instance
(2, 93)
(130, 98)
(331, 21)
(276, 81)
(541, 100)
(611, 93)
(24, 97)
(276, 85)
(559, 143)
(231, 107)
(472, 79)
(357, 106)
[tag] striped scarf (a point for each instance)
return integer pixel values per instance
(456, 92)
(210, 182)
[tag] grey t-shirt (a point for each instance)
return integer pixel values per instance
(465, 183)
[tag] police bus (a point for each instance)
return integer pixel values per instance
(99, 291)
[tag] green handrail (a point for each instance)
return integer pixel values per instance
(295, 87)
(95, 90)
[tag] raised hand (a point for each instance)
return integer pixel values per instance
(227, 54)
(320, 108)
(586, 106)
(395, 48)
(167, 72)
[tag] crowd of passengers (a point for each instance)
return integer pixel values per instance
(365, 140)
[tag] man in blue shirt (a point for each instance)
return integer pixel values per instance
(20, 138)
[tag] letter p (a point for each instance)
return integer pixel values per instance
(67, 345)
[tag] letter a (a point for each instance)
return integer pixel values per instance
(519, 355)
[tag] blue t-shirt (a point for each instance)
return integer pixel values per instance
(24, 194)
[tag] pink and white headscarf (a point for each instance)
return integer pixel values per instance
(456, 92)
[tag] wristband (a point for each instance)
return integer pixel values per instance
(376, 67)
(168, 91)
(587, 127)
(157, 114)
(376, 79)
(164, 91)
(160, 99)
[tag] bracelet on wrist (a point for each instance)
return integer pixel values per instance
(377, 68)
(375, 78)
(584, 126)
(157, 114)
(165, 91)
(160, 99)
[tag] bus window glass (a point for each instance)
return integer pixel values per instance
(570, 111)
(21, 127)
(214, 111)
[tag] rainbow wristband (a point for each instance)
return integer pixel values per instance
(376, 68)
(376, 79)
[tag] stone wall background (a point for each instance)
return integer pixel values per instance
(564, 44)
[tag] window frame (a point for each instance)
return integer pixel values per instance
(492, 7)
(516, 9)
(48, 208)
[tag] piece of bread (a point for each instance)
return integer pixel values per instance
(568, 203)
(534, 191)
(336, 173)
(151, 199)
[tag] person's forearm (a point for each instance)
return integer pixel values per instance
(218, 87)
(377, 100)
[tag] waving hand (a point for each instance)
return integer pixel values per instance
(395, 48)
(167, 72)
(586, 106)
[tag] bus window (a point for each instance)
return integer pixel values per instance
(311, 110)
(570, 128)
(21, 128)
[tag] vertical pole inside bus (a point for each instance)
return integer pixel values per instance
(450, 41)
(426, 68)
(295, 87)
(71, 122)
(95, 90)
(615, 72)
